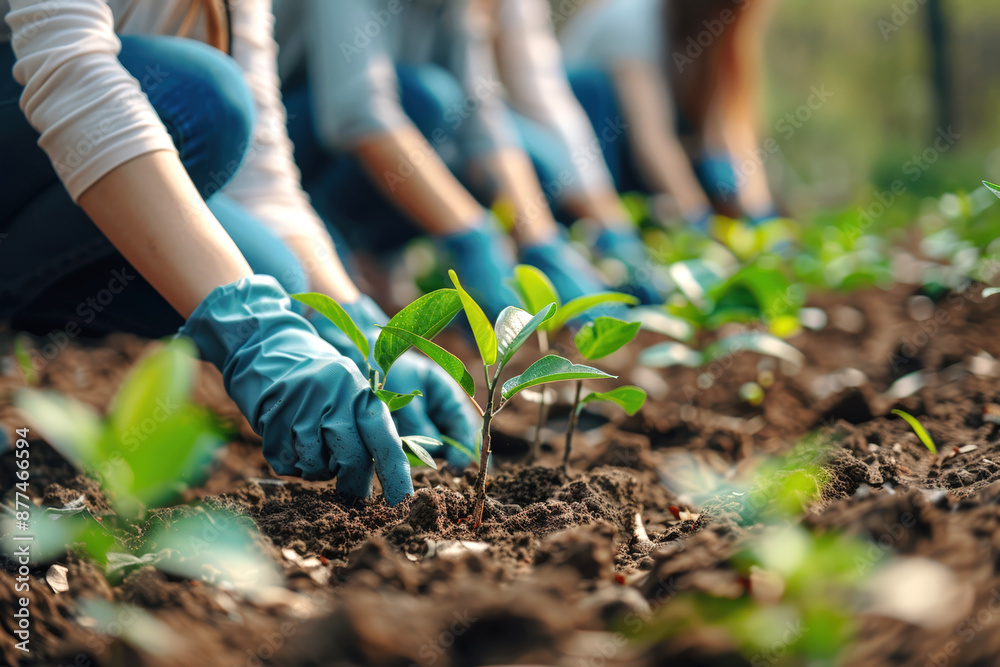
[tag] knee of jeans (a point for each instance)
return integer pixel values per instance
(431, 96)
(203, 99)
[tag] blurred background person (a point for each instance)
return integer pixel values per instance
(682, 78)
(147, 141)
(561, 142)
(398, 120)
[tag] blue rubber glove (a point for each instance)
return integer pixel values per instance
(570, 273)
(483, 263)
(624, 244)
(700, 220)
(316, 414)
(443, 408)
(717, 177)
(767, 215)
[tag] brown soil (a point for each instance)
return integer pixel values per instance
(558, 563)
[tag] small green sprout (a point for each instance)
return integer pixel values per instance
(144, 453)
(596, 340)
(537, 292)
(919, 429)
(497, 344)
(994, 188)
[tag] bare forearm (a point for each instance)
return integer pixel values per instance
(427, 191)
(649, 113)
(151, 212)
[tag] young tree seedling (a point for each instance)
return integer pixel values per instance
(496, 344)
(537, 292)
(919, 429)
(596, 340)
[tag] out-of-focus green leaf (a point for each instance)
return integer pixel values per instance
(535, 289)
(759, 342)
(665, 355)
(71, 427)
(582, 304)
(629, 398)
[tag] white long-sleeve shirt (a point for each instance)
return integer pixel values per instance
(604, 33)
(534, 77)
(352, 48)
(93, 116)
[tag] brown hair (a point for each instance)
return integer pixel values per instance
(215, 22)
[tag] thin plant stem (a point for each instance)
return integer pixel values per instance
(484, 459)
(572, 425)
(543, 347)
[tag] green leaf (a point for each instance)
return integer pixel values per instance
(425, 317)
(629, 398)
(761, 343)
(919, 429)
(767, 285)
(333, 311)
(534, 288)
(470, 452)
(23, 357)
(993, 187)
(72, 428)
(395, 401)
(515, 326)
(604, 336)
(695, 278)
(548, 369)
(451, 364)
(582, 304)
(416, 445)
(654, 319)
(486, 340)
(665, 355)
(157, 387)
(990, 291)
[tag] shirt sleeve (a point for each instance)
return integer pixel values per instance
(484, 124)
(536, 84)
(268, 184)
(90, 112)
(351, 73)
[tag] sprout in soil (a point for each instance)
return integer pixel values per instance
(596, 340)
(538, 292)
(497, 344)
(919, 429)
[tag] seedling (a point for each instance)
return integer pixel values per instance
(425, 318)
(538, 292)
(144, 452)
(596, 340)
(919, 429)
(497, 344)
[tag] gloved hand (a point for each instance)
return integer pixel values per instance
(316, 414)
(623, 243)
(443, 408)
(717, 177)
(483, 262)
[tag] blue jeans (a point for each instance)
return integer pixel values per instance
(596, 93)
(57, 271)
(342, 191)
